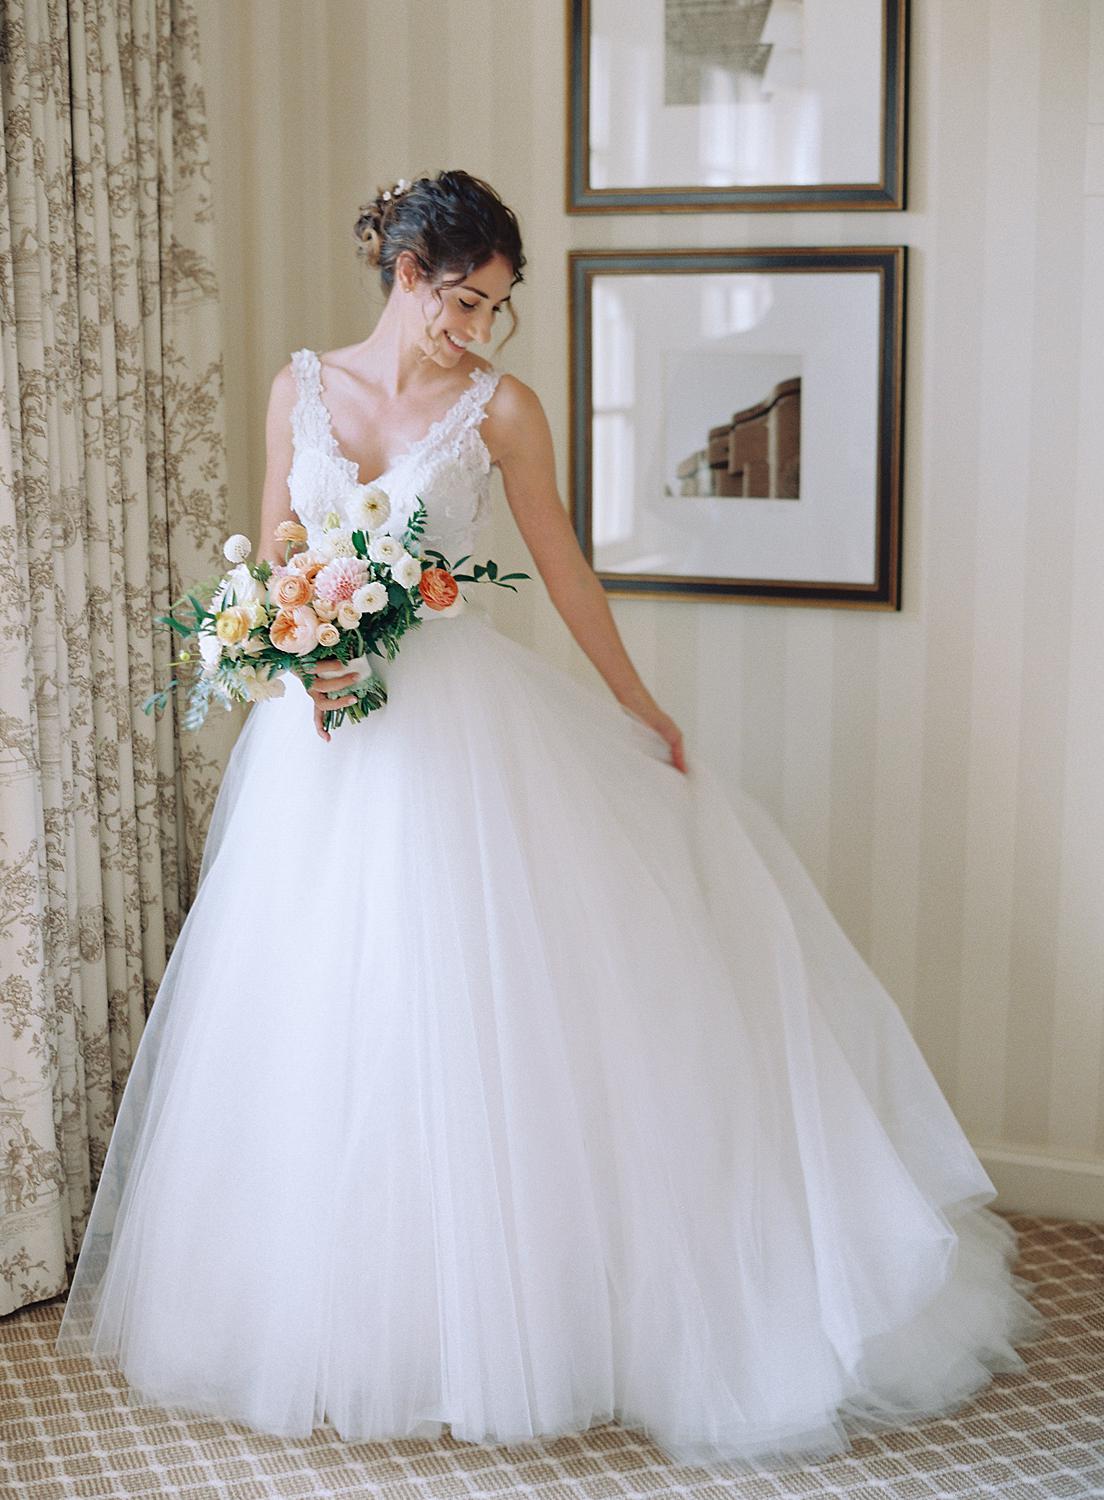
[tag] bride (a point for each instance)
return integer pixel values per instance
(509, 1072)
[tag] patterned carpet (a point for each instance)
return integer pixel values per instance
(66, 1430)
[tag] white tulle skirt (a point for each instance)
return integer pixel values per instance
(505, 1077)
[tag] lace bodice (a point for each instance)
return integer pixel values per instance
(448, 467)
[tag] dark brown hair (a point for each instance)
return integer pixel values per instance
(451, 224)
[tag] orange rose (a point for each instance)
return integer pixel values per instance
(438, 588)
(290, 589)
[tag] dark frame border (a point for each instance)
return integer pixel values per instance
(887, 193)
(889, 262)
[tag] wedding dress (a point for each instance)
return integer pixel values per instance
(506, 1077)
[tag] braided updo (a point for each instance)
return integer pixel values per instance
(451, 224)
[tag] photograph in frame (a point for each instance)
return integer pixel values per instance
(736, 422)
(736, 104)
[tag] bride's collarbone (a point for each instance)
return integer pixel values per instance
(360, 410)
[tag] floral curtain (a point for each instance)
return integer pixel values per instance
(112, 498)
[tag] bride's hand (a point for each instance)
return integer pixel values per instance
(663, 724)
(651, 714)
(330, 676)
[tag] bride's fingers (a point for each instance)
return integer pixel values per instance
(320, 688)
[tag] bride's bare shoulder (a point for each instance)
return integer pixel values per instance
(338, 359)
(514, 402)
(515, 418)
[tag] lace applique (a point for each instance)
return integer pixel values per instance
(448, 467)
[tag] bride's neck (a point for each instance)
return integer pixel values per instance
(397, 361)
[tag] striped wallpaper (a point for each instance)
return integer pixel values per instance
(940, 771)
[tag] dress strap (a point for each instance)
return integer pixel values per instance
(484, 384)
(310, 426)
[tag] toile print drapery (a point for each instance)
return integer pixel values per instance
(112, 498)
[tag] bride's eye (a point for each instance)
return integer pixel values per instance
(468, 306)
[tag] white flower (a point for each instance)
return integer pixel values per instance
(210, 649)
(258, 685)
(339, 543)
(371, 506)
(241, 583)
(386, 549)
(237, 548)
(348, 616)
(406, 570)
(370, 598)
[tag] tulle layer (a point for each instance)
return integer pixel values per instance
(504, 1077)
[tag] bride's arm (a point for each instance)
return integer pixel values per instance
(275, 497)
(517, 434)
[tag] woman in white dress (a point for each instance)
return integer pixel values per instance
(509, 1072)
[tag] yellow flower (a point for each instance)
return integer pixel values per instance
(232, 625)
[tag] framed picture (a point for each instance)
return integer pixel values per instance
(736, 422)
(736, 104)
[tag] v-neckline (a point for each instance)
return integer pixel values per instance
(405, 453)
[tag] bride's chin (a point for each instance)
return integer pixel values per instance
(440, 350)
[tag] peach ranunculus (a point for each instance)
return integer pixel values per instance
(290, 531)
(290, 590)
(309, 564)
(438, 588)
(232, 625)
(295, 630)
(328, 635)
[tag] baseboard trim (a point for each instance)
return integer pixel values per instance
(1037, 1182)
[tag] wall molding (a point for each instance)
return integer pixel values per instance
(1045, 1183)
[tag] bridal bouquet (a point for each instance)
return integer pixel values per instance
(353, 595)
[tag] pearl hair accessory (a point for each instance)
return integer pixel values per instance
(397, 191)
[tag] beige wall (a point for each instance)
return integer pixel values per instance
(940, 771)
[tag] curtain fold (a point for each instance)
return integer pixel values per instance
(112, 499)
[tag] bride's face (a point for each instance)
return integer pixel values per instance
(466, 313)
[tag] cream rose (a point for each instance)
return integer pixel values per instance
(386, 549)
(328, 634)
(406, 571)
(348, 616)
(370, 598)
